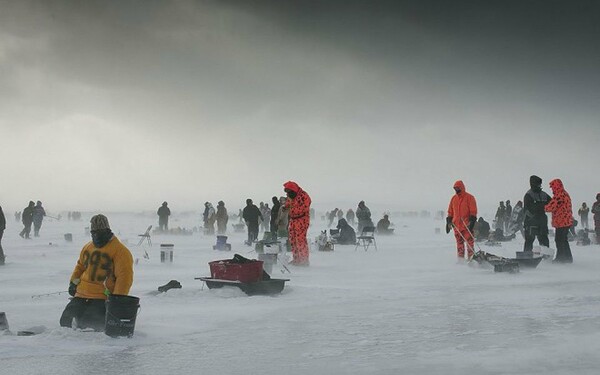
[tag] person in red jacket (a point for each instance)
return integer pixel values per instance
(298, 204)
(562, 220)
(462, 215)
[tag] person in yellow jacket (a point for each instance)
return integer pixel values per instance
(105, 266)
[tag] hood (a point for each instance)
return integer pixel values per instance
(556, 185)
(535, 183)
(342, 223)
(598, 197)
(459, 184)
(291, 185)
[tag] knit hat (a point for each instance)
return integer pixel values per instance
(99, 222)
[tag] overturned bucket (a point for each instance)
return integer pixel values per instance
(121, 312)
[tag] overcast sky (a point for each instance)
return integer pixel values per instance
(121, 105)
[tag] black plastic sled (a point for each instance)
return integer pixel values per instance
(529, 262)
(263, 287)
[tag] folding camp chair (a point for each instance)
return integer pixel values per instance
(145, 236)
(366, 238)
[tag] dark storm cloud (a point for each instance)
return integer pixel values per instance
(426, 91)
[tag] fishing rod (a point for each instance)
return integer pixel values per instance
(49, 294)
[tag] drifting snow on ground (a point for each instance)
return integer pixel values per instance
(407, 308)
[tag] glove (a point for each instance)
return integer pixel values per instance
(472, 221)
(448, 224)
(72, 289)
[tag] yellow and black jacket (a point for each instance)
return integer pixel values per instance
(109, 267)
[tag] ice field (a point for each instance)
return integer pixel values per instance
(406, 308)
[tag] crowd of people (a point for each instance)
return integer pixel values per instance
(105, 265)
(361, 217)
(528, 218)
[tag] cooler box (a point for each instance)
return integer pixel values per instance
(228, 270)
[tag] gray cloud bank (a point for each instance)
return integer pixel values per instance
(121, 105)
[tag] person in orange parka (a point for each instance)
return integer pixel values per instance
(298, 204)
(105, 266)
(562, 219)
(462, 215)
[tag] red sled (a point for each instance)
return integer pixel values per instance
(237, 269)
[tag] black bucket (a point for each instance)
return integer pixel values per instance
(121, 312)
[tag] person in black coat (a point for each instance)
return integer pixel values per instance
(2, 228)
(251, 215)
(535, 222)
(500, 216)
(274, 215)
(27, 218)
(482, 230)
(383, 226)
(163, 217)
(347, 235)
(507, 216)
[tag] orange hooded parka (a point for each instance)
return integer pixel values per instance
(560, 205)
(461, 207)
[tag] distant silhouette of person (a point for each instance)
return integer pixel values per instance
(516, 219)
(38, 217)
(583, 215)
(27, 219)
(383, 226)
(251, 215)
(350, 217)
(363, 214)
(283, 218)
(222, 218)
(211, 218)
(2, 228)
(482, 230)
(596, 212)
(274, 215)
(347, 235)
(500, 216)
(163, 217)
(507, 216)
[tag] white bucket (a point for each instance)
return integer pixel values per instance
(166, 253)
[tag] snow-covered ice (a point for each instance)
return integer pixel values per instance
(407, 308)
